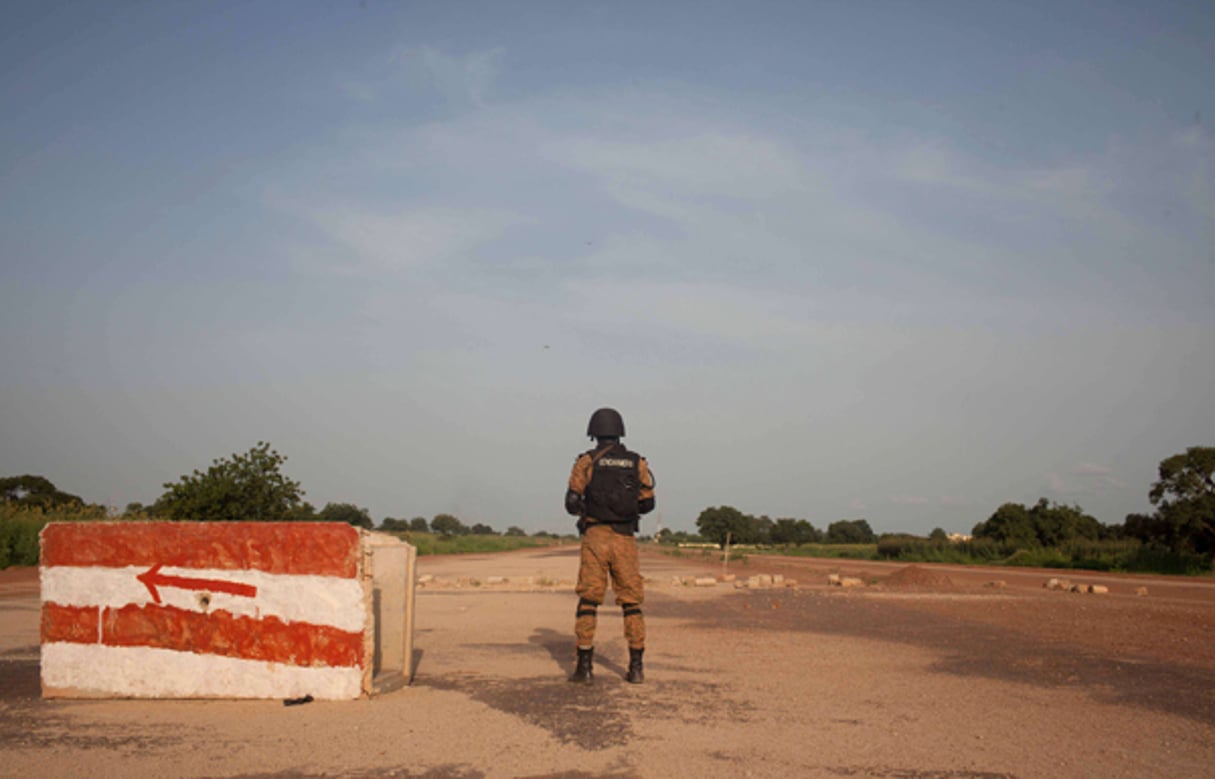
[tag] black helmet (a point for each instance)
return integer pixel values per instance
(605, 423)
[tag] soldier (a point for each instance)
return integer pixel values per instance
(609, 489)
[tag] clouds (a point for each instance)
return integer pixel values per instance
(678, 188)
(913, 290)
(460, 79)
(375, 242)
(1084, 479)
(891, 293)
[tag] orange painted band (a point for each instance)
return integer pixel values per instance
(299, 548)
(217, 633)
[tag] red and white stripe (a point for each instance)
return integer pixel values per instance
(179, 609)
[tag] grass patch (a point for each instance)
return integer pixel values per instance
(831, 551)
(20, 526)
(435, 544)
(1121, 556)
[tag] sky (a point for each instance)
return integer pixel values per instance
(899, 261)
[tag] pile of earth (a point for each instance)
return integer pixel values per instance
(913, 576)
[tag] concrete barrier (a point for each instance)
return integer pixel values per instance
(223, 610)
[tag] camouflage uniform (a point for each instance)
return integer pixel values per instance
(608, 546)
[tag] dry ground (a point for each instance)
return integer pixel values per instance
(945, 678)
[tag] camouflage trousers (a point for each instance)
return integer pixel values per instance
(606, 553)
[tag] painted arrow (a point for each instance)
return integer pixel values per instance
(153, 578)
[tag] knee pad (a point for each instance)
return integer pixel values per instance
(587, 608)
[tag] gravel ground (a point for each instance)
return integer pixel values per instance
(936, 671)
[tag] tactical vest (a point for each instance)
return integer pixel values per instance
(612, 494)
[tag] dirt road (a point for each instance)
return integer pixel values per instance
(937, 676)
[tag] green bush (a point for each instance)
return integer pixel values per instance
(910, 548)
(20, 526)
(1153, 559)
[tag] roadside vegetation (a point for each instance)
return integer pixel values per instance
(1178, 538)
(433, 543)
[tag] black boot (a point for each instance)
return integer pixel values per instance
(636, 673)
(583, 673)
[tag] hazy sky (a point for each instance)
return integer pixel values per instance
(901, 261)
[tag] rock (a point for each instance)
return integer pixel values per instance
(705, 581)
(1079, 588)
(1141, 591)
(998, 584)
(851, 581)
(760, 581)
(1098, 589)
(726, 577)
(676, 581)
(833, 580)
(425, 578)
(739, 584)
(777, 579)
(790, 582)
(495, 580)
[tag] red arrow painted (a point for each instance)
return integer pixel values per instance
(152, 578)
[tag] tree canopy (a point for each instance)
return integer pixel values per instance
(248, 487)
(716, 523)
(1184, 497)
(346, 512)
(850, 531)
(1045, 524)
(447, 525)
(30, 491)
(793, 531)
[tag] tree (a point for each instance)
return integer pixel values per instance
(1184, 497)
(1045, 524)
(304, 512)
(762, 529)
(793, 531)
(1010, 524)
(482, 530)
(715, 523)
(35, 491)
(346, 512)
(1056, 525)
(391, 524)
(419, 525)
(514, 531)
(248, 486)
(938, 535)
(850, 531)
(447, 525)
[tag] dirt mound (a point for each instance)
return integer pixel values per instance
(913, 576)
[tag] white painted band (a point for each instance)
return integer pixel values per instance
(141, 672)
(319, 600)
